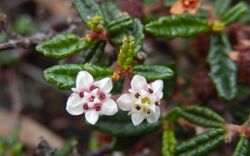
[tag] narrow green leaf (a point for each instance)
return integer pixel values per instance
(110, 10)
(223, 69)
(153, 72)
(168, 143)
(221, 6)
(87, 9)
(63, 76)
(201, 144)
(242, 148)
(178, 26)
(138, 34)
(62, 46)
(202, 116)
(120, 125)
(235, 13)
(120, 24)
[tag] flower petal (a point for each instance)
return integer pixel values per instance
(109, 107)
(137, 118)
(84, 80)
(74, 105)
(92, 116)
(105, 84)
(138, 82)
(153, 117)
(177, 8)
(125, 102)
(157, 87)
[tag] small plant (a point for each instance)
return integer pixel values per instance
(96, 81)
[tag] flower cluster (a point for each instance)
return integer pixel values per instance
(94, 99)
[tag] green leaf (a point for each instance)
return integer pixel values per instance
(120, 125)
(223, 69)
(93, 54)
(63, 76)
(120, 24)
(221, 6)
(173, 114)
(178, 26)
(87, 9)
(201, 144)
(110, 10)
(235, 13)
(242, 148)
(153, 72)
(168, 143)
(127, 52)
(138, 34)
(202, 116)
(62, 46)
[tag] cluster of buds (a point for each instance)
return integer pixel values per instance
(97, 31)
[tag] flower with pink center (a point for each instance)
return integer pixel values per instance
(91, 98)
(143, 100)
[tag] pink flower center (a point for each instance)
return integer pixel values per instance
(150, 90)
(91, 99)
(97, 107)
(91, 88)
(102, 96)
(81, 94)
(85, 106)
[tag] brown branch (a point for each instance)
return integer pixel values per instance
(25, 42)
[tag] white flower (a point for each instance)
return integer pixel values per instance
(143, 100)
(91, 98)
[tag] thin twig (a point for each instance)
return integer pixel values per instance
(25, 42)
